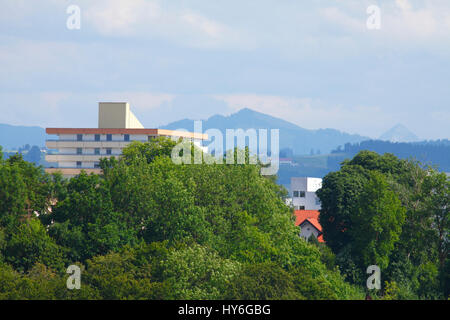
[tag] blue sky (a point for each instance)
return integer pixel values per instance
(314, 63)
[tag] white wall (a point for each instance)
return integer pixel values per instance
(307, 229)
(309, 186)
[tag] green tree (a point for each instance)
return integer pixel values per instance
(339, 199)
(264, 281)
(378, 222)
(29, 243)
(152, 229)
(39, 283)
(197, 272)
(392, 212)
(438, 206)
(85, 222)
(116, 276)
(158, 146)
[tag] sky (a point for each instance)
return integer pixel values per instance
(314, 63)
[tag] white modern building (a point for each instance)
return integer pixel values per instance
(82, 148)
(303, 192)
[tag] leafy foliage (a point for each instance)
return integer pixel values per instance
(152, 229)
(393, 213)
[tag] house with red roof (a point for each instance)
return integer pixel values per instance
(308, 220)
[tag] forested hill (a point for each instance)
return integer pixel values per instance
(16, 136)
(436, 153)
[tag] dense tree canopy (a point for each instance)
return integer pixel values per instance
(148, 228)
(152, 229)
(380, 210)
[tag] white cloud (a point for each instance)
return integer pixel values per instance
(155, 19)
(408, 21)
(117, 17)
(292, 48)
(140, 101)
(401, 20)
(71, 109)
(337, 16)
(205, 25)
(403, 4)
(442, 117)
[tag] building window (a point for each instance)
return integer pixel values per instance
(302, 208)
(78, 164)
(126, 137)
(79, 151)
(299, 194)
(97, 137)
(96, 164)
(108, 151)
(109, 137)
(97, 151)
(79, 137)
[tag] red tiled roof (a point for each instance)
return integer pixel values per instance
(302, 215)
(312, 216)
(315, 223)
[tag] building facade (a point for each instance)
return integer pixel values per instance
(303, 192)
(82, 148)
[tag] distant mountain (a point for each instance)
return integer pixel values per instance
(17, 136)
(399, 133)
(300, 140)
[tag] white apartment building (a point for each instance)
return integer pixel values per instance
(82, 148)
(303, 192)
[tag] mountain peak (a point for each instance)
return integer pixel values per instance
(246, 110)
(399, 133)
(299, 139)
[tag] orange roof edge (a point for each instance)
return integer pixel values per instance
(302, 215)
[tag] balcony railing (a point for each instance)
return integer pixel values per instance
(83, 154)
(72, 140)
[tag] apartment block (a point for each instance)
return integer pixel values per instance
(82, 148)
